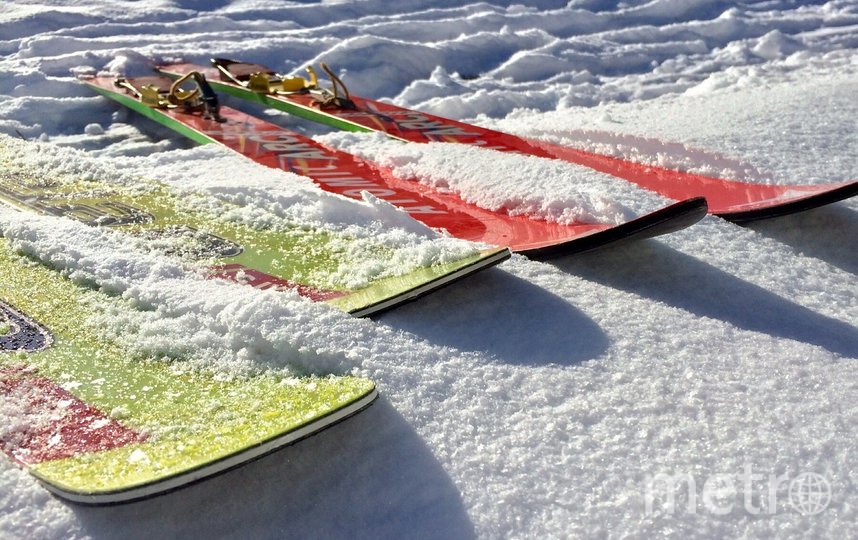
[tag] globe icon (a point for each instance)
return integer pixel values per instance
(809, 493)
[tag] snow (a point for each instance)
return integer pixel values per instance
(237, 329)
(533, 400)
(553, 191)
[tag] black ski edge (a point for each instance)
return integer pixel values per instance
(799, 205)
(432, 286)
(215, 468)
(666, 220)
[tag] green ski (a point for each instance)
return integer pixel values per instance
(304, 258)
(99, 424)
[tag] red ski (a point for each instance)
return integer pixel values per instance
(734, 200)
(348, 175)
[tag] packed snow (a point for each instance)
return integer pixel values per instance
(569, 399)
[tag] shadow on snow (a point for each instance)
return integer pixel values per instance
(532, 325)
(371, 476)
(660, 273)
(810, 234)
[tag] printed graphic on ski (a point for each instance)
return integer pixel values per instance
(294, 259)
(98, 424)
(734, 200)
(345, 174)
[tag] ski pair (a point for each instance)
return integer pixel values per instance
(734, 200)
(345, 174)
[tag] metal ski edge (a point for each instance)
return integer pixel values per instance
(214, 468)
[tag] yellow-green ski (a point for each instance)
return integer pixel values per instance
(305, 259)
(98, 424)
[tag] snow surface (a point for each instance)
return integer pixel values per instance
(533, 400)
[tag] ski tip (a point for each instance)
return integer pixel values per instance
(486, 259)
(170, 484)
(672, 218)
(815, 200)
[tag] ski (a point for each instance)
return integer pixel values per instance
(342, 173)
(295, 259)
(731, 199)
(98, 424)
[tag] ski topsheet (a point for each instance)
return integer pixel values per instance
(345, 174)
(305, 259)
(100, 424)
(733, 200)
